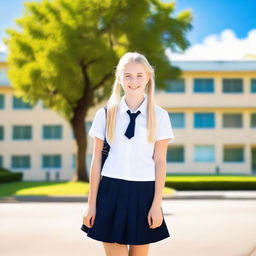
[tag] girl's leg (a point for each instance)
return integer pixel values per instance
(115, 249)
(139, 250)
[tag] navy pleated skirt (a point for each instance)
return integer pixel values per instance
(122, 208)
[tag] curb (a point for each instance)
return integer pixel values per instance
(176, 196)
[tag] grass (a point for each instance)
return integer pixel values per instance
(211, 178)
(35, 188)
(67, 188)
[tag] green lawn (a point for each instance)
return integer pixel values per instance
(50, 189)
(211, 178)
(81, 188)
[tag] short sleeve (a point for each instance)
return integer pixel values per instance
(98, 125)
(164, 128)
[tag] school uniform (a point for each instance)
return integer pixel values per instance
(127, 185)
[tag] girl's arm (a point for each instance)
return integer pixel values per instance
(95, 171)
(159, 157)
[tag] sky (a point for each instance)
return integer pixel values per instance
(222, 29)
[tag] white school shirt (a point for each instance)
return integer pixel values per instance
(132, 159)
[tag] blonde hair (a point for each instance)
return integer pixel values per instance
(114, 100)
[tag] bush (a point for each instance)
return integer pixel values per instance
(8, 176)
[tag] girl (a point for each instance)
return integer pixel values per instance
(124, 203)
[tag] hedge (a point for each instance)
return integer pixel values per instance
(8, 176)
(211, 185)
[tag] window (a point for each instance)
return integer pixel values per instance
(204, 85)
(204, 120)
(232, 120)
(73, 165)
(234, 85)
(253, 120)
(1, 101)
(88, 125)
(17, 103)
(1, 162)
(175, 85)
(22, 132)
(204, 153)
(177, 119)
(52, 131)
(253, 85)
(51, 161)
(1, 133)
(3, 77)
(233, 154)
(175, 154)
(20, 161)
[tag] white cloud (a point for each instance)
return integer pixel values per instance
(225, 46)
(3, 47)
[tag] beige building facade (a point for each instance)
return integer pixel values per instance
(212, 108)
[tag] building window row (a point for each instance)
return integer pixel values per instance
(49, 132)
(206, 85)
(207, 120)
(206, 154)
(175, 154)
(17, 103)
(48, 161)
(201, 121)
(24, 161)
(24, 132)
(200, 85)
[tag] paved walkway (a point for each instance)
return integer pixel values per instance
(197, 228)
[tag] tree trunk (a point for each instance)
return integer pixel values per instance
(78, 127)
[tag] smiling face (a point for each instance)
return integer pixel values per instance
(134, 78)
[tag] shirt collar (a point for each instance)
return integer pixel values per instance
(142, 107)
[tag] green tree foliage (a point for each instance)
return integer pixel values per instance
(64, 52)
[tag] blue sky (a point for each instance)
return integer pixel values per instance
(211, 18)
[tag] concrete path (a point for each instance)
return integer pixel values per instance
(197, 227)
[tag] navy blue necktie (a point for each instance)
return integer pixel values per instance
(130, 129)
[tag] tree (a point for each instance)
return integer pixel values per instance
(64, 52)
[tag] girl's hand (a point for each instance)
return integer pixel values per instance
(88, 218)
(155, 216)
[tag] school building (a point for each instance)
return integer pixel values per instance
(212, 108)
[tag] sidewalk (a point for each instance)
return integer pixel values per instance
(178, 195)
(197, 228)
